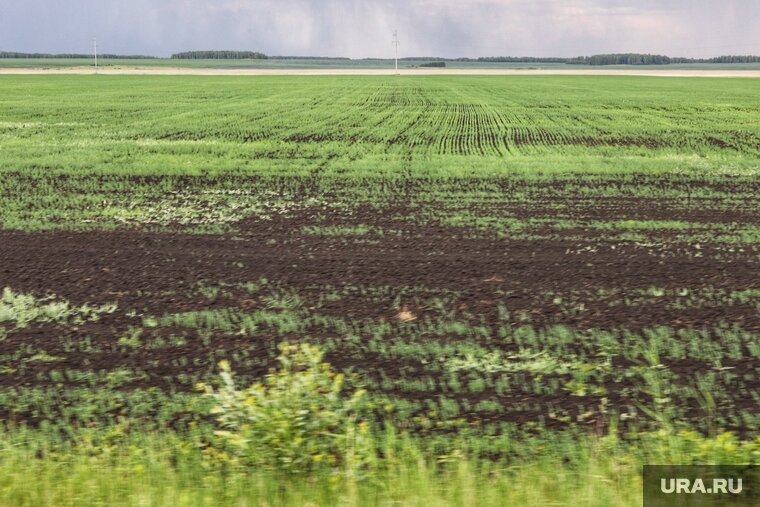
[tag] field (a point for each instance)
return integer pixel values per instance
(327, 64)
(524, 269)
(272, 63)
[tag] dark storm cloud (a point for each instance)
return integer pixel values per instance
(359, 28)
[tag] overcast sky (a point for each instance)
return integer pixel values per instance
(362, 28)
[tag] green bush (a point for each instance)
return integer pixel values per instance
(301, 417)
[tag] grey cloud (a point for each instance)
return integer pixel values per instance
(360, 28)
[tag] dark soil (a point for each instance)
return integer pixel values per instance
(158, 273)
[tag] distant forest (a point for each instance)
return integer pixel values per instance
(13, 54)
(310, 58)
(608, 59)
(219, 55)
(623, 59)
(611, 59)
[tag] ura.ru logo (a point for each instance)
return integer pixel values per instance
(716, 486)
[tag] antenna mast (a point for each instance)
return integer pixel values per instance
(95, 51)
(396, 43)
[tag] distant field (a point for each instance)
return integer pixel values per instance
(282, 64)
(491, 256)
(271, 63)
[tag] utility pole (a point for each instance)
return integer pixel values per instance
(396, 43)
(95, 51)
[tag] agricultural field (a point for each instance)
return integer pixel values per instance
(337, 64)
(288, 63)
(518, 266)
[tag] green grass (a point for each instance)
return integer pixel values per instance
(660, 165)
(21, 310)
(204, 153)
(118, 467)
(160, 470)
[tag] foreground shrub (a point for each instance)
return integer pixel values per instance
(299, 418)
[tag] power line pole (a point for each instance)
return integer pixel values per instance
(396, 43)
(95, 51)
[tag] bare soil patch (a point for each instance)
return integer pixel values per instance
(158, 274)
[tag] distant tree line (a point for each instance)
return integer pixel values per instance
(610, 59)
(106, 56)
(642, 59)
(621, 59)
(732, 59)
(310, 58)
(433, 64)
(516, 59)
(624, 59)
(605, 59)
(219, 55)
(495, 59)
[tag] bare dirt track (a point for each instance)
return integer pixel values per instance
(388, 72)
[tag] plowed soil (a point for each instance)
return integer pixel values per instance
(148, 273)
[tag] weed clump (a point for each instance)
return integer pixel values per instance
(23, 309)
(301, 417)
